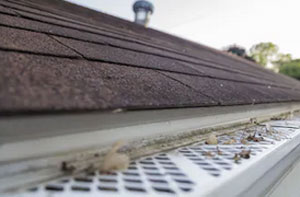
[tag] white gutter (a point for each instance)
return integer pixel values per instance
(188, 172)
(35, 146)
(57, 134)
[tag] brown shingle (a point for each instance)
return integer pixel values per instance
(56, 56)
(36, 83)
(123, 56)
(235, 93)
(96, 36)
(15, 39)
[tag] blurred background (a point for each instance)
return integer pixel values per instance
(265, 31)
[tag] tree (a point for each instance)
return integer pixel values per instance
(264, 52)
(282, 58)
(239, 51)
(291, 69)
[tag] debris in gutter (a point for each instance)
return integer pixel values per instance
(277, 118)
(212, 139)
(253, 121)
(236, 158)
(65, 167)
(208, 154)
(80, 164)
(219, 151)
(245, 154)
(112, 161)
(231, 141)
(274, 133)
(244, 141)
(242, 138)
(289, 115)
(115, 161)
(254, 138)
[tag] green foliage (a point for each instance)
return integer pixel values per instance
(291, 69)
(282, 58)
(268, 52)
(263, 52)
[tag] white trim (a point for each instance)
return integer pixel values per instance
(50, 135)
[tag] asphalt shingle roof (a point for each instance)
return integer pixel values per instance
(56, 56)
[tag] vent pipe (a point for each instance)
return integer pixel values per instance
(143, 10)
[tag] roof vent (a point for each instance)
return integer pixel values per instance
(143, 10)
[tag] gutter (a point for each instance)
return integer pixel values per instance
(78, 137)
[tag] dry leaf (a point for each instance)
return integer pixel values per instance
(208, 154)
(212, 139)
(67, 167)
(236, 158)
(254, 138)
(245, 154)
(219, 151)
(253, 120)
(231, 141)
(244, 141)
(258, 139)
(114, 160)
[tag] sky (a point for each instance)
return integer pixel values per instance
(219, 23)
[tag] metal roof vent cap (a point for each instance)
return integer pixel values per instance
(143, 10)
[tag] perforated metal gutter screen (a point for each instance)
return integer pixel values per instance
(195, 170)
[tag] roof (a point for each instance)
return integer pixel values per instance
(56, 56)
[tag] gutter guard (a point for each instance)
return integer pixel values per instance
(22, 166)
(188, 171)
